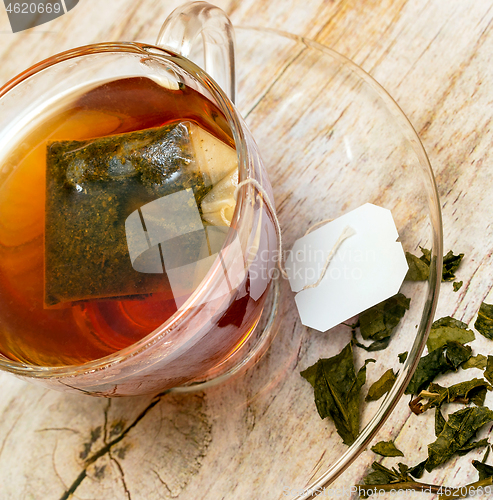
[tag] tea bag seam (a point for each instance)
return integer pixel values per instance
(223, 216)
(347, 232)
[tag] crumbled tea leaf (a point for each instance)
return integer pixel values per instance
(457, 285)
(402, 357)
(447, 328)
(478, 361)
(418, 270)
(451, 263)
(337, 391)
(381, 386)
(488, 373)
(379, 321)
(460, 427)
(387, 449)
(484, 322)
(444, 359)
(485, 470)
(92, 187)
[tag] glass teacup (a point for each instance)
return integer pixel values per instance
(213, 331)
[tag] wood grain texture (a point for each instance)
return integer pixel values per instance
(259, 437)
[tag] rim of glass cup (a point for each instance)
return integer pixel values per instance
(394, 395)
(245, 170)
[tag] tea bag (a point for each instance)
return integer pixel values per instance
(122, 210)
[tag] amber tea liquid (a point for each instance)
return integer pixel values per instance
(77, 332)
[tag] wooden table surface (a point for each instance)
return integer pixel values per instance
(434, 58)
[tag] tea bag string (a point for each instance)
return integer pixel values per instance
(346, 233)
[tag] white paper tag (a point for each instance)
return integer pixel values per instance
(367, 267)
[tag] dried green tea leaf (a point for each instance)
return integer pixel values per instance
(477, 396)
(485, 470)
(486, 454)
(402, 357)
(379, 476)
(484, 322)
(381, 386)
(444, 359)
(463, 392)
(379, 321)
(447, 328)
(474, 445)
(426, 257)
(419, 267)
(488, 373)
(403, 469)
(418, 270)
(378, 345)
(352, 326)
(461, 426)
(389, 480)
(428, 368)
(393, 480)
(310, 374)
(471, 391)
(383, 475)
(457, 285)
(418, 470)
(92, 187)
(337, 391)
(457, 354)
(451, 263)
(478, 361)
(439, 421)
(387, 449)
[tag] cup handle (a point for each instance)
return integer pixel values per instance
(180, 34)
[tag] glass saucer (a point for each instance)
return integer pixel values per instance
(331, 139)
